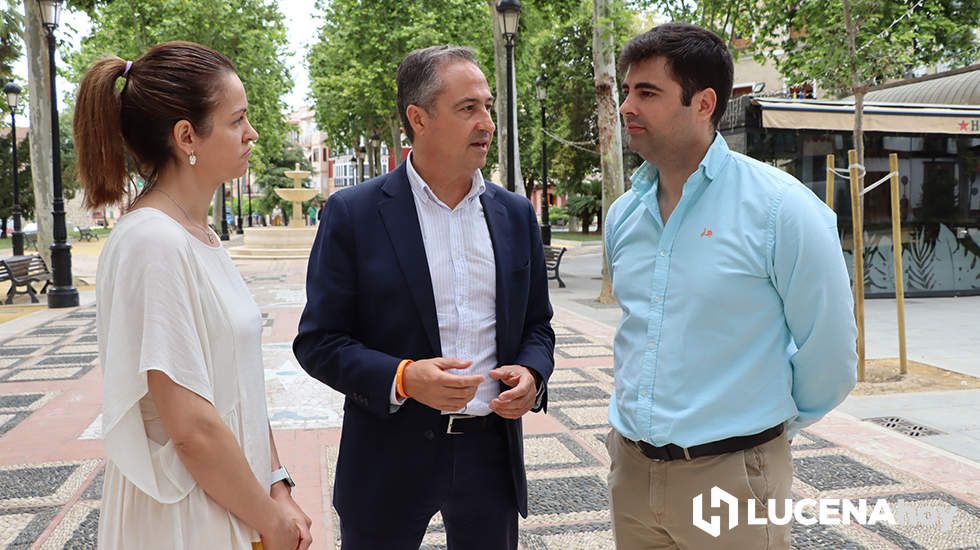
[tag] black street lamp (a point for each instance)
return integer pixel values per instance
(12, 90)
(541, 84)
(224, 217)
(238, 181)
(248, 189)
(62, 293)
(509, 13)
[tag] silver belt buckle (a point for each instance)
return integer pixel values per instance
(453, 418)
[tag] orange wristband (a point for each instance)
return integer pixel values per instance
(399, 377)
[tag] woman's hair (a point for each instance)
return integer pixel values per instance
(171, 82)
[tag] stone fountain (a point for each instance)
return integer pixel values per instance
(282, 243)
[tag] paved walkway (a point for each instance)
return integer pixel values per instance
(50, 451)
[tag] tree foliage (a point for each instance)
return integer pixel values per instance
(250, 32)
(892, 38)
(354, 61)
(11, 29)
(562, 49)
(23, 178)
(806, 40)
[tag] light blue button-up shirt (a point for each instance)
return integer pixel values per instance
(737, 313)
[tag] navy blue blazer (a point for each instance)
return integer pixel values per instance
(370, 305)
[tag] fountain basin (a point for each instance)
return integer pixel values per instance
(296, 195)
(275, 243)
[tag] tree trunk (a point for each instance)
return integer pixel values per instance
(500, 77)
(216, 212)
(39, 112)
(610, 129)
(395, 148)
(360, 161)
(504, 124)
(858, 89)
(368, 160)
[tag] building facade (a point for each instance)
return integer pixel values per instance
(933, 124)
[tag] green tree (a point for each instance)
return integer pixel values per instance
(561, 47)
(251, 32)
(11, 30)
(354, 61)
(273, 176)
(843, 45)
(7, 183)
(586, 203)
(892, 38)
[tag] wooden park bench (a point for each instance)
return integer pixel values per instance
(552, 260)
(24, 271)
(86, 233)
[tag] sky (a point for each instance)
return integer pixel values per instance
(301, 25)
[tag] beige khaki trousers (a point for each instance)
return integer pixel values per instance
(652, 502)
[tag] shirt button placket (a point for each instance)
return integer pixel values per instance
(653, 332)
(456, 249)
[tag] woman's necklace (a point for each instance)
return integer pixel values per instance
(204, 229)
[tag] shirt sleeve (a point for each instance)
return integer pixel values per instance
(810, 276)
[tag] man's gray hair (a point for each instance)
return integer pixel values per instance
(418, 78)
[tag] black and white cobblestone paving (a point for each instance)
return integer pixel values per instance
(566, 471)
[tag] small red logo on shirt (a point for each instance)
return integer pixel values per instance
(706, 232)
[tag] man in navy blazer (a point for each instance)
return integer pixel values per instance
(427, 306)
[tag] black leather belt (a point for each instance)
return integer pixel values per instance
(730, 445)
(459, 424)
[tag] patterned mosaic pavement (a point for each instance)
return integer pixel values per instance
(50, 465)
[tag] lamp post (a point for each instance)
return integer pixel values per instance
(12, 90)
(509, 13)
(248, 189)
(224, 216)
(541, 85)
(62, 293)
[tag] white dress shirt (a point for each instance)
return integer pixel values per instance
(464, 282)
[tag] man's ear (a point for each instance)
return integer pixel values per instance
(704, 103)
(418, 118)
(185, 138)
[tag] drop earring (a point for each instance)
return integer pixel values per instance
(192, 159)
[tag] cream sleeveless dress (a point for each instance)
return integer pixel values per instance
(168, 302)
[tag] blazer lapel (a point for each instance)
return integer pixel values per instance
(500, 237)
(401, 221)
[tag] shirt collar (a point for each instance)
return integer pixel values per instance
(424, 192)
(647, 176)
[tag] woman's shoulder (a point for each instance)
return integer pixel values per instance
(149, 234)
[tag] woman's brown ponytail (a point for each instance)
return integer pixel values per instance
(98, 134)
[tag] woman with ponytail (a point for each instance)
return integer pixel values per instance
(191, 462)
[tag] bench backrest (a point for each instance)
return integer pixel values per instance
(23, 268)
(553, 253)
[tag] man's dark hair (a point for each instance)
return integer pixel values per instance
(418, 78)
(697, 59)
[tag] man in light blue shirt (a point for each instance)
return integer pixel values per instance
(737, 327)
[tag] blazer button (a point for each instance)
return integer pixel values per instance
(429, 434)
